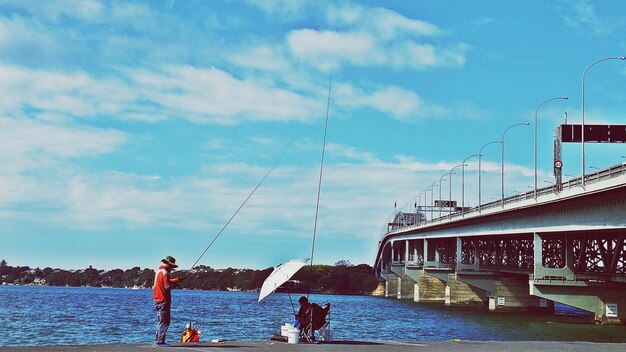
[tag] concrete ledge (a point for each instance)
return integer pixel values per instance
(337, 346)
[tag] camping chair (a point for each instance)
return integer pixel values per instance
(318, 327)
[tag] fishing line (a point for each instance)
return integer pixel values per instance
(319, 185)
(232, 217)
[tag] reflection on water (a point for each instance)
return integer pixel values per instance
(60, 315)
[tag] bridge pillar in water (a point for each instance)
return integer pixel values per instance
(503, 293)
(431, 287)
(511, 293)
(407, 286)
(462, 294)
(392, 282)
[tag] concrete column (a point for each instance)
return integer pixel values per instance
(406, 251)
(399, 294)
(512, 293)
(492, 303)
(464, 294)
(416, 293)
(431, 289)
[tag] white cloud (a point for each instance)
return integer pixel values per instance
(264, 58)
(286, 9)
(364, 36)
(324, 48)
(215, 96)
(199, 95)
(584, 15)
(75, 94)
(28, 144)
(386, 23)
(352, 153)
(400, 103)
(55, 10)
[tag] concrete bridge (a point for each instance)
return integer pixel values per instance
(564, 244)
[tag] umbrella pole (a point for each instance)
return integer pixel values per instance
(290, 301)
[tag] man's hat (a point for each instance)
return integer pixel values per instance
(171, 261)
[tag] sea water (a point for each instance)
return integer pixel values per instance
(37, 315)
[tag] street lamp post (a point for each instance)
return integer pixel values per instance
(480, 156)
(432, 199)
(582, 138)
(502, 164)
(440, 179)
(425, 191)
(463, 183)
(535, 144)
(450, 188)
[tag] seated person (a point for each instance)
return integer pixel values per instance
(310, 316)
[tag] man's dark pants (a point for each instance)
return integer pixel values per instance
(163, 316)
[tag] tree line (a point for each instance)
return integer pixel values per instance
(341, 278)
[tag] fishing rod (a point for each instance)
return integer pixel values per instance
(231, 218)
(319, 184)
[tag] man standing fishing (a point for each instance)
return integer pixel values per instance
(163, 297)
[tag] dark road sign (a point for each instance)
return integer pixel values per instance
(593, 133)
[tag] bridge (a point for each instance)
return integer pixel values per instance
(525, 252)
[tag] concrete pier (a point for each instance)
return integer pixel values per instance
(345, 346)
(431, 289)
(464, 294)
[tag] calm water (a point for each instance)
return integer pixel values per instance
(31, 315)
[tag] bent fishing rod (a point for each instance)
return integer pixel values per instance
(231, 218)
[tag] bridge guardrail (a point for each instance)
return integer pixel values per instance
(412, 206)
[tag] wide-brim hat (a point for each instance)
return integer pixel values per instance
(171, 261)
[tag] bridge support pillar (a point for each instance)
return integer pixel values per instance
(413, 276)
(407, 287)
(430, 288)
(511, 293)
(608, 303)
(391, 283)
(460, 293)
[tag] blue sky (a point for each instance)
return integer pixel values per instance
(133, 130)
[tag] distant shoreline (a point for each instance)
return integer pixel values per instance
(323, 279)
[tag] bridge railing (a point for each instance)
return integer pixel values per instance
(602, 175)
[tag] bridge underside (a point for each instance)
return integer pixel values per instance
(570, 250)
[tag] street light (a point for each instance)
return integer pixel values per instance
(432, 201)
(502, 174)
(463, 184)
(582, 138)
(440, 179)
(450, 190)
(432, 197)
(425, 191)
(480, 156)
(536, 112)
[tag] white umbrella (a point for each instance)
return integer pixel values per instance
(280, 275)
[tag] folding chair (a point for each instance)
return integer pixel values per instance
(318, 327)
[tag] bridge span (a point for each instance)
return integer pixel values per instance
(564, 244)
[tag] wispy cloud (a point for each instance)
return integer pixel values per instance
(364, 36)
(583, 15)
(27, 144)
